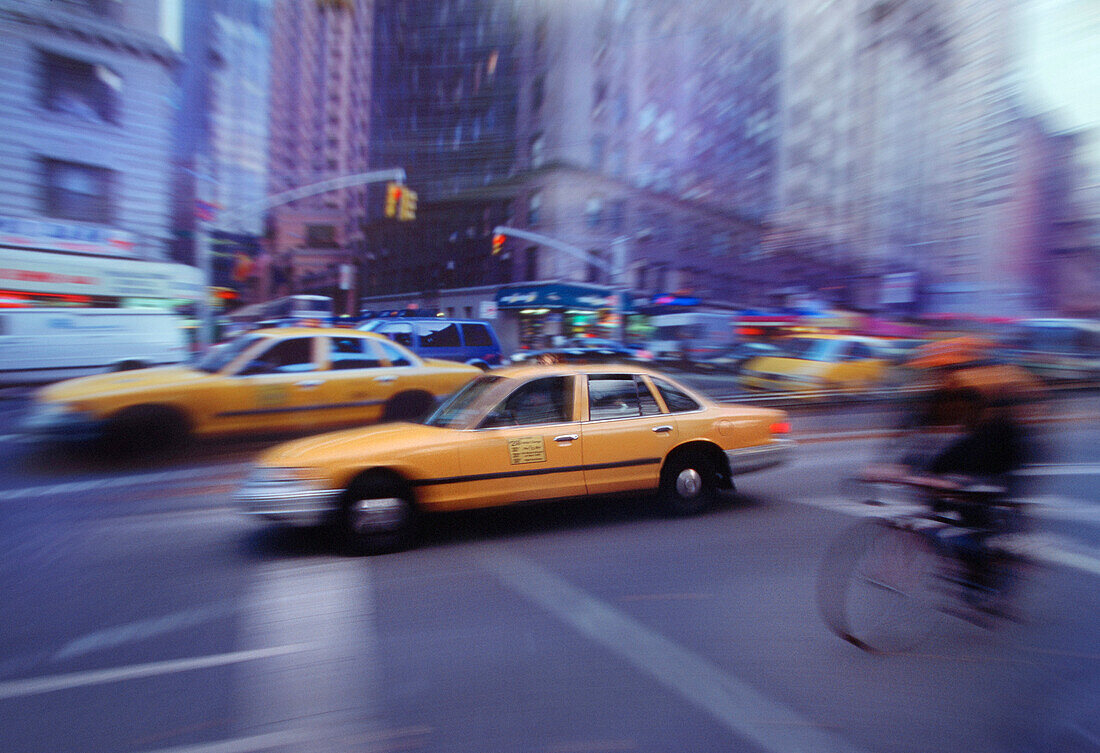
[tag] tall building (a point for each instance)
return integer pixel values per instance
(86, 116)
(901, 147)
(672, 109)
(642, 134)
(319, 129)
(222, 128)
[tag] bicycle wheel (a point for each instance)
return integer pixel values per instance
(878, 587)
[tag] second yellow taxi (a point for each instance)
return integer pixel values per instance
(516, 435)
(274, 380)
(818, 362)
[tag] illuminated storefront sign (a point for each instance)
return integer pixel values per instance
(556, 295)
(22, 232)
(52, 274)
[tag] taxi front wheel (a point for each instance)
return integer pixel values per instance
(688, 485)
(147, 427)
(377, 515)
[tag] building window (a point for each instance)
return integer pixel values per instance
(321, 236)
(106, 8)
(596, 265)
(593, 211)
(599, 148)
(538, 150)
(77, 192)
(538, 93)
(616, 215)
(75, 87)
(534, 209)
(531, 262)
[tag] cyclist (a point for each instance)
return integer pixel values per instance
(970, 435)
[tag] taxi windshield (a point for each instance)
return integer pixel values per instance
(218, 357)
(464, 405)
(810, 349)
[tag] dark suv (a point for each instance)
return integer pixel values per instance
(465, 340)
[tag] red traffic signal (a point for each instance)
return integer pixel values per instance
(498, 242)
(393, 198)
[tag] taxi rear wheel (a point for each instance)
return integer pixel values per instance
(688, 484)
(377, 515)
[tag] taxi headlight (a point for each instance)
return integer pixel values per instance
(46, 414)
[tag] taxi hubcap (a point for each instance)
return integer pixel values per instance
(689, 482)
(372, 515)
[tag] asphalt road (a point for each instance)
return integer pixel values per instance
(141, 613)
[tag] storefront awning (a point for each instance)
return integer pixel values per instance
(559, 295)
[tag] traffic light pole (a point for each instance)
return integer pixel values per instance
(203, 230)
(616, 269)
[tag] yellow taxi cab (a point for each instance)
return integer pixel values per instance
(518, 434)
(819, 362)
(273, 380)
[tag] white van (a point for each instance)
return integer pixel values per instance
(45, 345)
(691, 334)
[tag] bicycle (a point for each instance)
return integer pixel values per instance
(885, 582)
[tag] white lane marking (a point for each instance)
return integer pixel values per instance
(743, 710)
(1044, 547)
(139, 630)
(204, 475)
(244, 744)
(39, 685)
(1060, 469)
(335, 686)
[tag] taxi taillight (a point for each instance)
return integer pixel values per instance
(780, 427)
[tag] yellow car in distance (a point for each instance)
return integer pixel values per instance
(516, 435)
(272, 380)
(819, 362)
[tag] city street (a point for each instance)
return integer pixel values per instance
(143, 614)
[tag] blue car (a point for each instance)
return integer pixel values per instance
(468, 341)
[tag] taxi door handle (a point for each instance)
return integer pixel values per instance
(385, 379)
(662, 429)
(566, 438)
(309, 383)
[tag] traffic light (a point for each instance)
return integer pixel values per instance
(498, 242)
(407, 206)
(393, 198)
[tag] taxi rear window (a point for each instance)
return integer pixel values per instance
(676, 400)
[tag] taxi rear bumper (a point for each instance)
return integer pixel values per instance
(759, 457)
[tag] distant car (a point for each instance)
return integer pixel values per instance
(517, 435)
(287, 379)
(470, 341)
(585, 350)
(731, 360)
(818, 362)
(1056, 349)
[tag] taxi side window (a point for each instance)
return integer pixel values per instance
(541, 401)
(613, 396)
(353, 353)
(395, 356)
(291, 356)
(676, 400)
